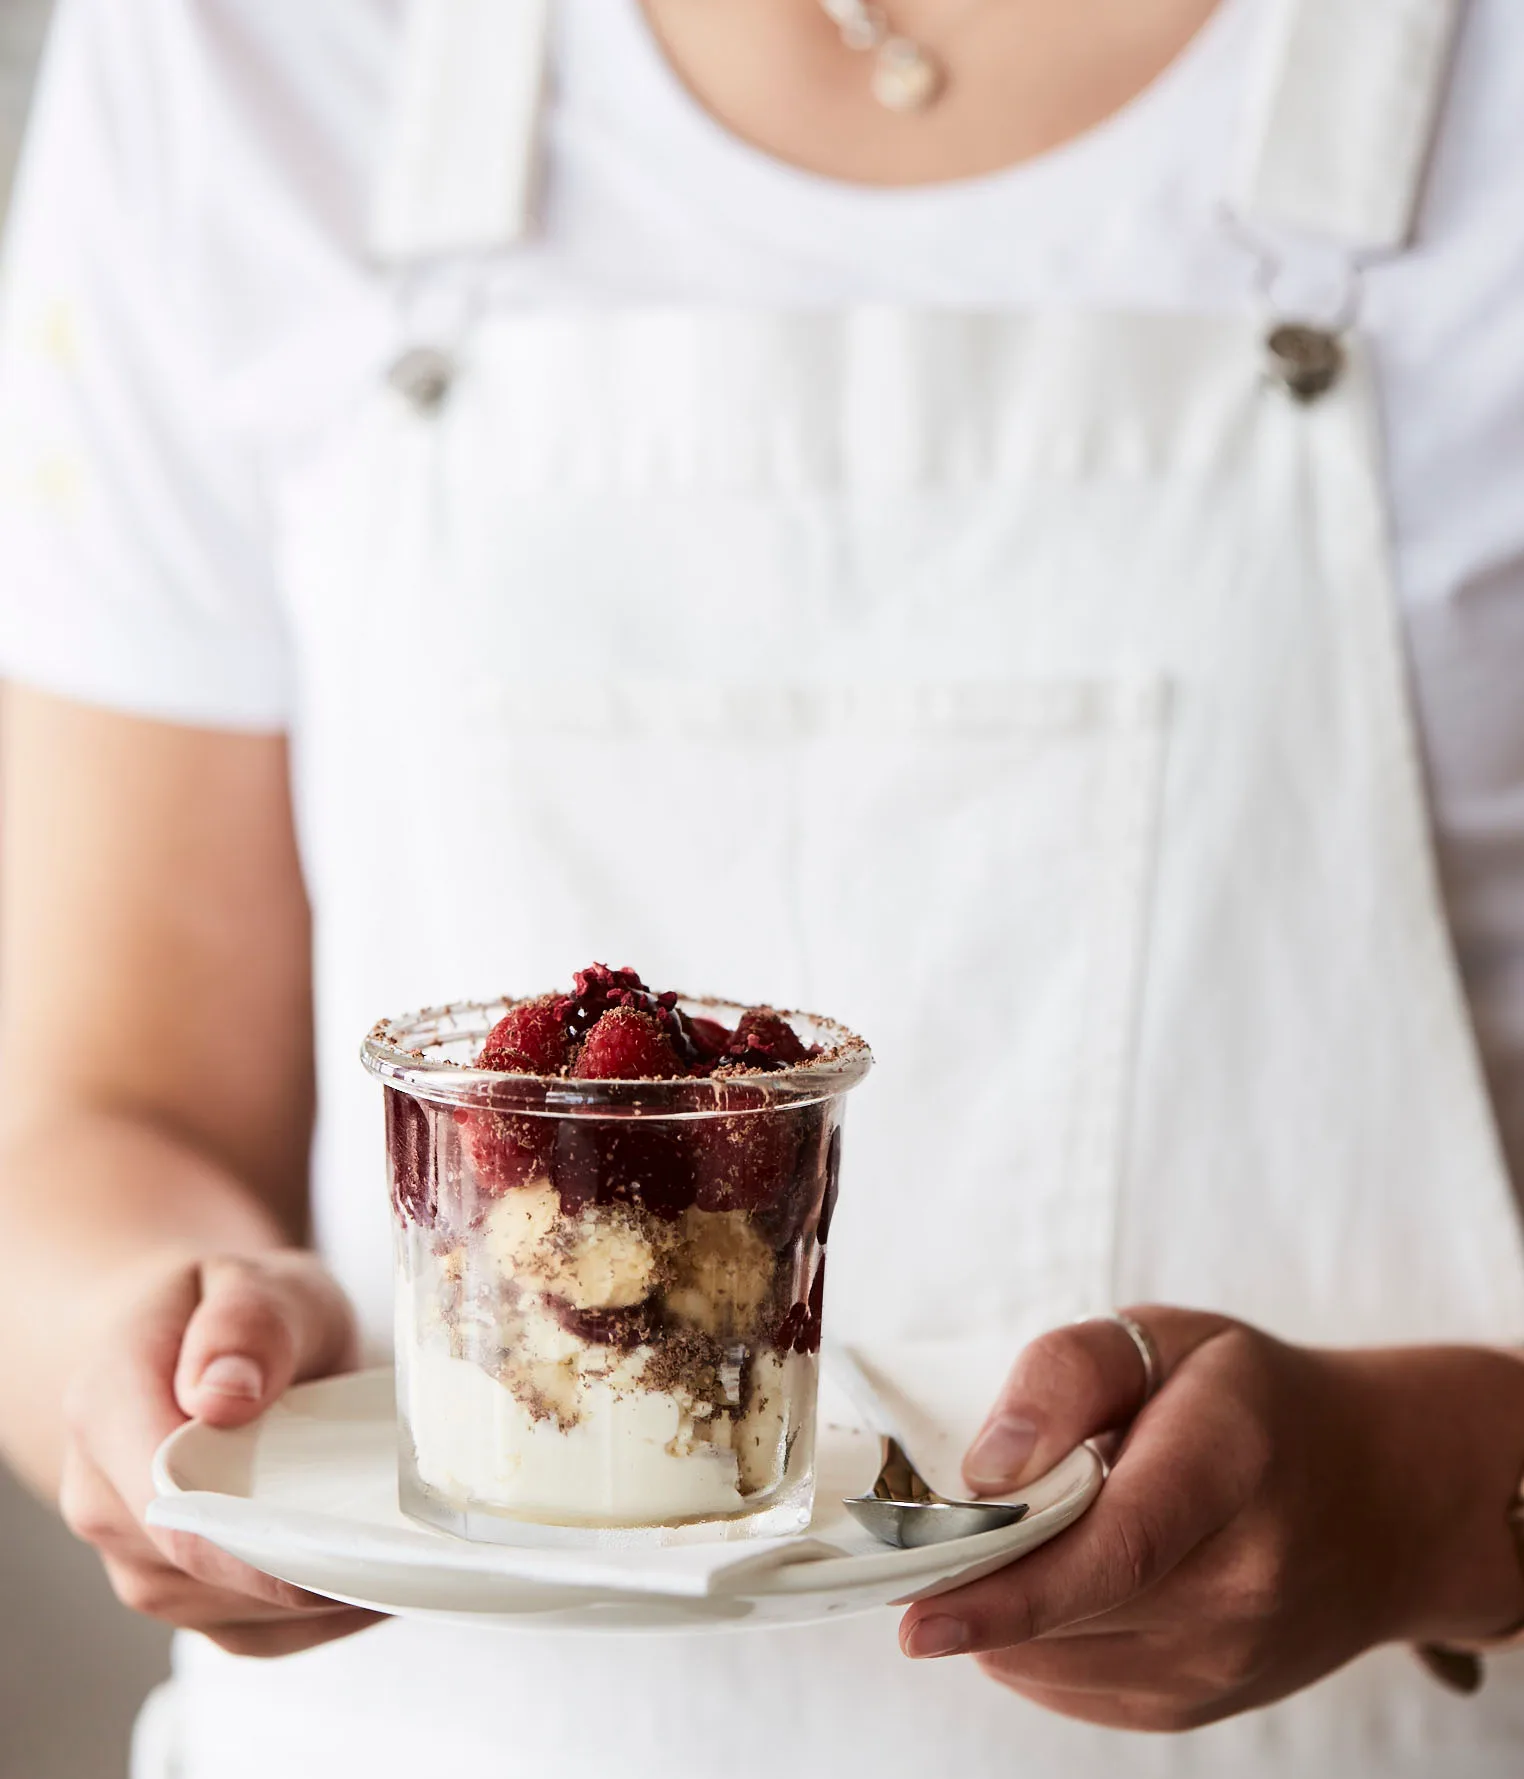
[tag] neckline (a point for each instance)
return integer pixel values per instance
(652, 86)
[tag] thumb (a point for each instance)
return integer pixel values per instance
(261, 1325)
(1073, 1383)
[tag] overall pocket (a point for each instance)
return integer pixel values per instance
(960, 872)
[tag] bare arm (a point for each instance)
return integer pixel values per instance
(156, 1060)
(154, 1026)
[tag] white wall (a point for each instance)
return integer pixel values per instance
(73, 1664)
(22, 25)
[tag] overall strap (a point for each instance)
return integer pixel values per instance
(458, 160)
(1339, 143)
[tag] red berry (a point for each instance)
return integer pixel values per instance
(505, 1062)
(744, 1161)
(530, 1039)
(766, 1040)
(599, 990)
(627, 1045)
(710, 1039)
(504, 1151)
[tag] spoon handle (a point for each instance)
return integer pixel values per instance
(899, 1480)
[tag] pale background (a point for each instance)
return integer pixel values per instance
(73, 1664)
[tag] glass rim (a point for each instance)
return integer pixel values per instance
(395, 1051)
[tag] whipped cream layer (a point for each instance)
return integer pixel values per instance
(511, 1411)
(630, 1458)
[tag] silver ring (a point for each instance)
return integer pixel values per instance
(1153, 1369)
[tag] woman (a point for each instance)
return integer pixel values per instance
(842, 521)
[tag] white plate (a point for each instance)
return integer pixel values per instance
(308, 1493)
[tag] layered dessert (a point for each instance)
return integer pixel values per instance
(611, 1228)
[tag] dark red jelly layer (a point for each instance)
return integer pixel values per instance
(777, 1165)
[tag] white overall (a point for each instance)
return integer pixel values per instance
(1024, 689)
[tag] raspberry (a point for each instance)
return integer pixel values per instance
(599, 990)
(710, 1039)
(765, 1040)
(530, 1039)
(505, 1062)
(627, 1044)
(504, 1151)
(745, 1160)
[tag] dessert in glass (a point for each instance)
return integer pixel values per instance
(611, 1210)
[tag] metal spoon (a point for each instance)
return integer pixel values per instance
(904, 1510)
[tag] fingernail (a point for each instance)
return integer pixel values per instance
(233, 1375)
(996, 1458)
(936, 1636)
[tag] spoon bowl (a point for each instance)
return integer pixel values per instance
(908, 1525)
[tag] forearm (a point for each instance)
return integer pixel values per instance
(96, 1205)
(1446, 1425)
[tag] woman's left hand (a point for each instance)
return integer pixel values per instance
(1274, 1510)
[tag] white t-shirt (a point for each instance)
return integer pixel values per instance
(188, 285)
(189, 291)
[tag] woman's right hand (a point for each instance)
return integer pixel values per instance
(217, 1340)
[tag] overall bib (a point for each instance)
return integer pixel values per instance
(1027, 691)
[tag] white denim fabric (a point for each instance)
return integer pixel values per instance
(1025, 688)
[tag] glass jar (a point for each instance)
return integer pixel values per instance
(608, 1293)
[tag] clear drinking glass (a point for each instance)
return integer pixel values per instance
(608, 1293)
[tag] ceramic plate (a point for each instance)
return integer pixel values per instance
(308, 1493)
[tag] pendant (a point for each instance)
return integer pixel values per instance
(905, 76)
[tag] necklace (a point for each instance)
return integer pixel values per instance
(905, 75)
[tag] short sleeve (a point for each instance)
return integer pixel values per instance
(136, 569)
